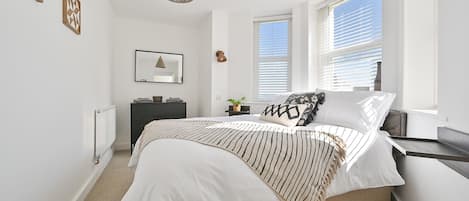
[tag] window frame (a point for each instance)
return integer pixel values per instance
(326, 34)
(256, 23)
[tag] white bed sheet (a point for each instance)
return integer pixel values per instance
(176, 170)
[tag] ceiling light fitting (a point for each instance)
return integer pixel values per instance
(181, 1)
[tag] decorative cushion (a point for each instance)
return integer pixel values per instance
(313, 100)
(284, 114)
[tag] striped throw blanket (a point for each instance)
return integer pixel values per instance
(296, 163)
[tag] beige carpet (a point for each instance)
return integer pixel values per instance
(115, 180)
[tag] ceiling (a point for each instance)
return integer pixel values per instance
(193, 13)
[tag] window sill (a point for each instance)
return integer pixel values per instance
(427, 112)
(257, 102)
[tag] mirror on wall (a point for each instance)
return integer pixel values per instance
(158, 67)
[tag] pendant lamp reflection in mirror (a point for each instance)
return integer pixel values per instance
(160, 63)
(181, 1)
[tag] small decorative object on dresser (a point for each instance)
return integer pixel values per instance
(237, 103)
(144, 113)
(157, 99)
(174, 100)
(142, 100)
(378, 76)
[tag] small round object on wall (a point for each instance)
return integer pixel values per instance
(221, 58)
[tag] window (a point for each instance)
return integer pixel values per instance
(272, 58)
(350, 35)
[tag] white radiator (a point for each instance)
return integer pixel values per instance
(104, 131)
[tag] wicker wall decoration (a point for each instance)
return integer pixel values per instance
(72, 15)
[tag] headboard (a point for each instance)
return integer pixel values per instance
(396, 123)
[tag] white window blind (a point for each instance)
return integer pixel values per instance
(350, 35)
(272, 58)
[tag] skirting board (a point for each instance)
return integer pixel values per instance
(89, 184)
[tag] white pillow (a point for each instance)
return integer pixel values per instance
(284, 114)
(361, 110)
(280, 98)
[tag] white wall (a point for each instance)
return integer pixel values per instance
(313, 37)
(205, 67)
(130, 35)
(410, 52)
(300, 48)
(220, 35)
(51, 82)
(393, 48)
(214, 34)
(420, 54)
(453, 83)
(428, 179)
(241, 71)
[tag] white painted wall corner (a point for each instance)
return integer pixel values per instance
(91, 181)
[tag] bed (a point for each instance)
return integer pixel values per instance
(175, 169)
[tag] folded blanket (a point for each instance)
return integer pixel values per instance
(296, 163)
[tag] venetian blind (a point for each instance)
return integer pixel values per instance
(351, 33)
(272, 58)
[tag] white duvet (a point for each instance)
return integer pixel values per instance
(178, 170)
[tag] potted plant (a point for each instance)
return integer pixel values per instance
(237, 103)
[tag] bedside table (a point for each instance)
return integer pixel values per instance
(233, 113)
(244, 110)
(451, 148)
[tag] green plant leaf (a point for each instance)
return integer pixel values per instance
(237, 101)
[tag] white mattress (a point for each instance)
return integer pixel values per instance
(171, 169)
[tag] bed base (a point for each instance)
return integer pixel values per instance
(373, 194)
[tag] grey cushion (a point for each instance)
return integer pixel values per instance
(313, 100)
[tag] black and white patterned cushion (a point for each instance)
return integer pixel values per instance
(313, 100)
(285, 114)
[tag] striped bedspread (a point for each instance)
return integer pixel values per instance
(296, 163)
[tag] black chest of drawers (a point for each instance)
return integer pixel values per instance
(144, 113)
